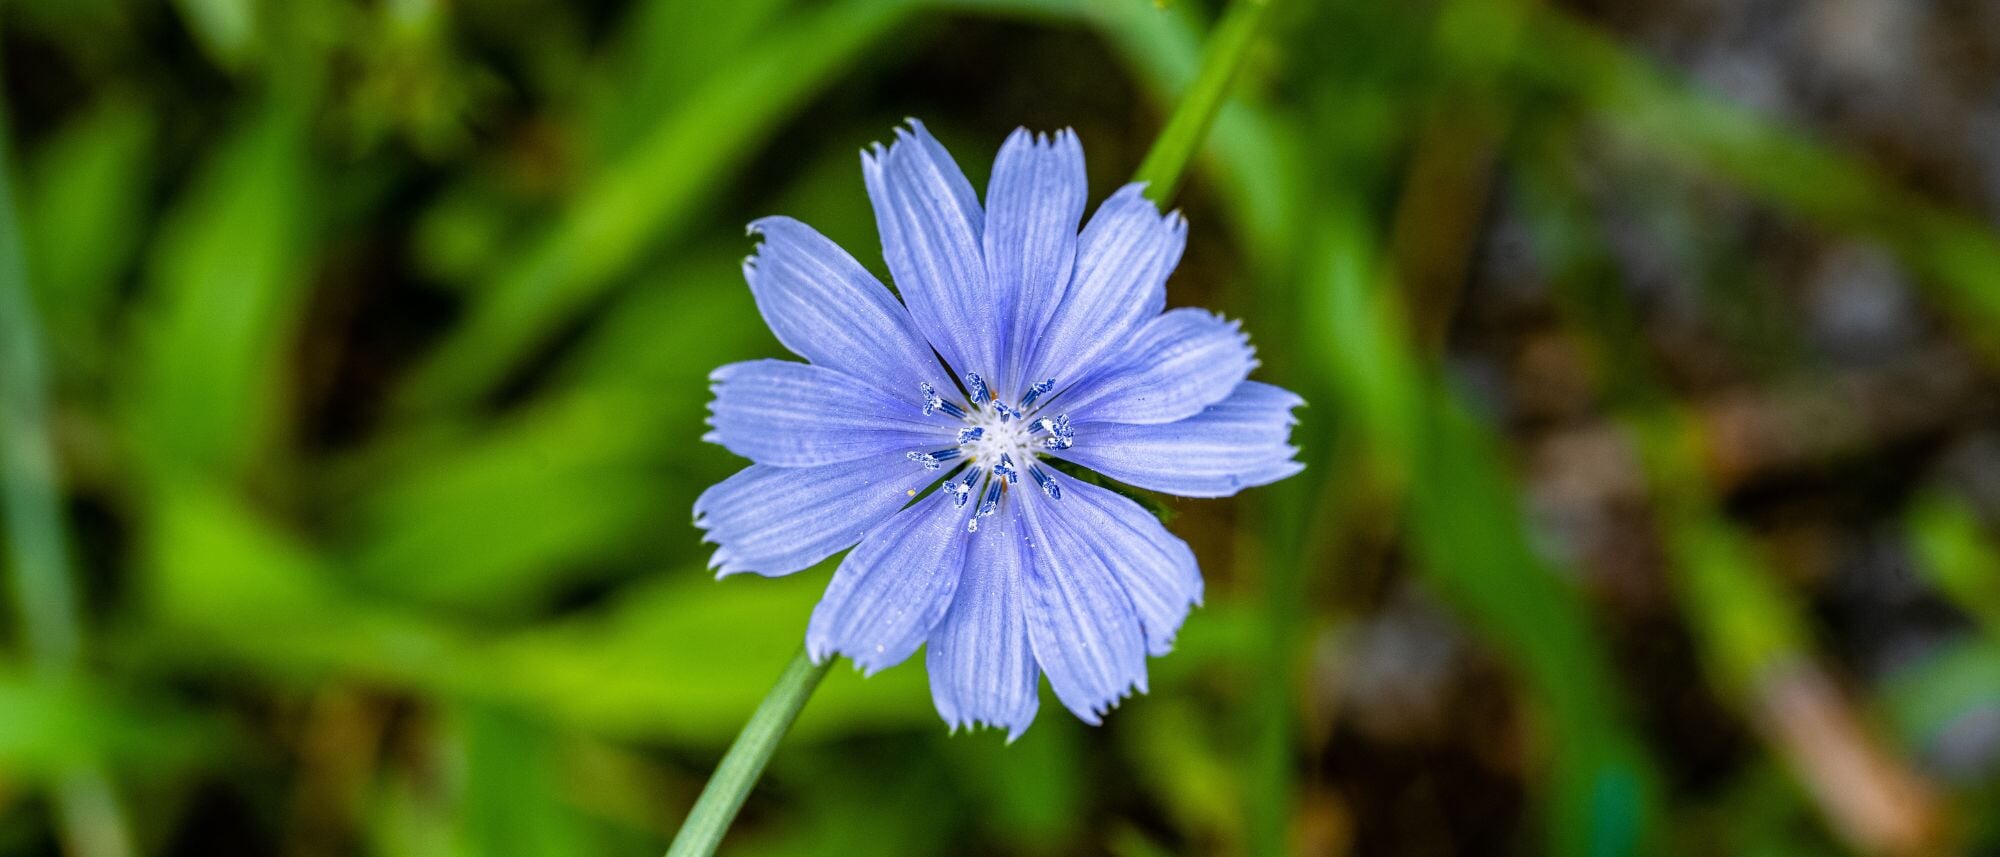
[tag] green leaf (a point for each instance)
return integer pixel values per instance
(225, 289)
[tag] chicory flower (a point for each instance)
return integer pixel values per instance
(920, 432)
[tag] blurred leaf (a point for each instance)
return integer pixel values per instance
(510, 806)
(572, 483)
(1030, 792)
(665, 336)
(226, 29)
(88, 813)
(1755, 645)
(647, 196)
(908, 808)
(464, 235)
(589, 473)
(407, 820)
(1128, 841)
(1957, 556)
(1959, 256)
(1469, 534)
(54, 726)
(1161, 45)
(225, 287)
(659, 662)
(85, 195)
(1181, 762)
(667, 49)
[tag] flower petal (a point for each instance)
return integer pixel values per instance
(1033, 204)
(1180, 362)
(1085, 633)
(795, 415)
(891, 590)
(1239, 442)
(1122, 262)
(777, 520)
(828, 309)
(981, 663)
(931, 223)
(1157, 570)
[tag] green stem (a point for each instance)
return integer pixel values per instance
(1188, 127)
(31, 519)
(1162, 170)
(740, 767)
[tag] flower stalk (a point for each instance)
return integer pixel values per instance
(740, 767)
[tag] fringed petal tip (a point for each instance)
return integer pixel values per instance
(1174, 219)
(726, 564)
(762, 225)
(1062, 137)
(822, 649)
(1014, 730)
(911, 131)
(1095, 712)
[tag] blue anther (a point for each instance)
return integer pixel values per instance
(987, 507)
(970, 434)
(1047, 482)
(1061, 436)
(959, 491)
(1037, 392)
(932, 460)
(934, 402)
(977, 385)
(1006, 469)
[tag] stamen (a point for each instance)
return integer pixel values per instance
(970, 434)
(1006, 413)
(1061, 436)
(934, 402)
(959, 491)
(1037, 392)
(978, 387)
(1006, 469)
(932, 460)
(1047, 482)
(987, 507)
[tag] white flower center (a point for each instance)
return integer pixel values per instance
(998, 437)
(997, 442)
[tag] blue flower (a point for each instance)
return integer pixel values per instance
(1054, 345)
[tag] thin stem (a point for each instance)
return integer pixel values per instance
(1188, 127)
(1161, 171)
(31, 519)
(745, 761)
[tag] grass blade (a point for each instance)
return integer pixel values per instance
(37, 541)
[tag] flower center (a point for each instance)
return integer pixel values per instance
(997, 442)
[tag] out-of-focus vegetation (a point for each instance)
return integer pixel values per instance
(353, 365)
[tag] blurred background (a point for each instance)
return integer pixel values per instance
(1653, 449)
